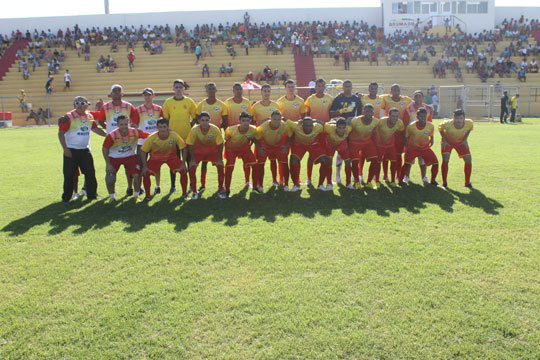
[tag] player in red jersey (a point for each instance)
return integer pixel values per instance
(162, 146)
(119, 149)
(335, 140)
(307, 138)
(389, 127)
(238, 139)
(418, 142)
(275, 141)
(205, 143)
(410, 115)
(454, 134)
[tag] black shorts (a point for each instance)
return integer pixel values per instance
(68, 83)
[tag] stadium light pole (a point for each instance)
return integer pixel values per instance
(106, 7)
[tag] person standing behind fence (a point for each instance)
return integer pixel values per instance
(513, 107)
(504, 108)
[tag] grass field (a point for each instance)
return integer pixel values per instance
(417, 272)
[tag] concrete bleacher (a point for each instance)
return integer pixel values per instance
(155, 71)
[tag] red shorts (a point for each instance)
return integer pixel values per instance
(367, 147)
(461, 149)
(131, 163)
(315, 150)
(342, 149)
(399, 143)
(427, 154)
(244, 153)
(272, 153)
(206, 153)
(173, 162)
(387, 152)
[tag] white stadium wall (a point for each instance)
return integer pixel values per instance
(189, 19)
(509, 12)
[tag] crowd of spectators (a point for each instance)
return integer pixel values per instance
(269, 76)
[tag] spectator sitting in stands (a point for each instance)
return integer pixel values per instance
(521, 75)
(26, 73)
(374, 58)
(469, 66)
(146, 45)
(205, 70)
(249, 76)
(533, 66)
(114, 46)
(222, 70)
(33, 115)
(259, 78)
(482, 74)
(229, 69)
(524, 64)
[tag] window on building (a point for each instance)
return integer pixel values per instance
(454, 7)
(445, 7)
(462, 7)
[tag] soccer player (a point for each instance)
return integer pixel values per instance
(418, 142)
(454, 134)
(347, 105)
(361, 139)
(400, 102)
(410, 115)
(307, 138)
(180, 111)
(205, 143)
(149, 113)
(74, 136)
(163, 148)
(336, 140)
(275, 141)
(109, 112)
(513, 107)
(237, 105)
(262, 110)
(219, 116)
(389, 128)
(119, 149)
(238, 139)
(318, 107)
(372, 98)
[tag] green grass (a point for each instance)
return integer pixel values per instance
(417, 272)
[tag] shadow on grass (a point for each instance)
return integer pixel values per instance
(270, 206)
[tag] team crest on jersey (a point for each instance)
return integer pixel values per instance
(426, 132)
(151, 122)
(216, 108)
(151, 115)
(84, 128)
(83, 121)
(371, 128)
(171, 142)
(272, 109)
(210, 136)
(117, 112)
(295, 104)
(401, 104)
(325, 101)
(378, 103)
(126, 141)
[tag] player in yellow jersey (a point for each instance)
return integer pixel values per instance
(205, 143)
(318, 107)
(238, 139)
(260, 111)
(162, 147)
(454, 134)
(180, 111)
(389, 127)
(335, 139)
(275, 141)
(372, 98)
(400, 102)
(361, 139)
(307, 138)
(219, 116)
(418, 142)
(236, 105)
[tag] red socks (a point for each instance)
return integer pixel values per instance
(405, 169)
(295, 174)
(273, 169)
(468, 170)
(434, 172)
(220, 176)
(309, 170)
(184, 181)
(147, 183)
(247, 168)
(355, 170)
(255, 175)
(348, 171)
(374, 168)
(361, 165)
(228, 177)
(444, 171)
(393, 170)
(203, 176)
(399, 162)
(284, 167)
(261, 174)
(385, 169)
(193, 178)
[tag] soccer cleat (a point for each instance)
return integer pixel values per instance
(248, 184)
(425, 179)
(295, 188)
(286, 188)
(322, 188)
(386, 180)
(110, 200)
(308, 182)
(173, 189)
(222, 195)
(358, 185)
(141, 191)
(201, 189)
(371, 185)
(405, 180)
(402, 183)
(275, 184)
(469, 185)
(329, 187)
(129, 192)
(392, 184)
(445, 185)
(157, 190)
(195, 196)
(83, 192)
(434, 183)
(338, 178)
(75, 196)
(350, 186)
(360, 179)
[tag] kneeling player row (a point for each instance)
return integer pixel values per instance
(363, 137)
